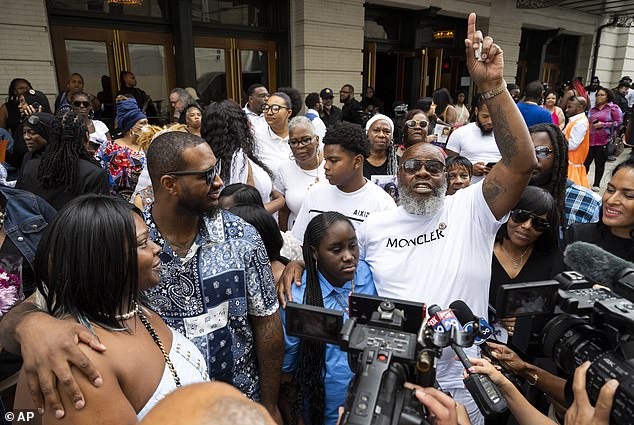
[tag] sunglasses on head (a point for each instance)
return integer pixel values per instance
(433, 167)
(210, 175)
(414, 123)
(80, 104)
(543, 152)
(522, 216)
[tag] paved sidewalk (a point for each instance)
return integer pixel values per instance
(609, 166)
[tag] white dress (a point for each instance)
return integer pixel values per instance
(190, 366)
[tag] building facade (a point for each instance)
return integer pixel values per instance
(403, 48)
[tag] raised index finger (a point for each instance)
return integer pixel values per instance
(471, 26)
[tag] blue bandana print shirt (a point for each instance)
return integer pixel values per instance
(209, 295)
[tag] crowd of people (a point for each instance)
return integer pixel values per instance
(154, 257)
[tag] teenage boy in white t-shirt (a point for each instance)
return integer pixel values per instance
(345, 148)
(434, 249)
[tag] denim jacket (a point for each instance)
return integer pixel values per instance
(27, 216)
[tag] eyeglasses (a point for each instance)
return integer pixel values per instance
(79, 104)
(543, 152)
(33, 120)
(414, 123)
(433, 167)
(273, 108)
(522, 216)
(304, 141)
(210, 175)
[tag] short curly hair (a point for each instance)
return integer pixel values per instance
(349, 136)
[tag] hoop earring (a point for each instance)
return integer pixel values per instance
(291, 157)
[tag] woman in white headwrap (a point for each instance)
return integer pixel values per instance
(382, 159)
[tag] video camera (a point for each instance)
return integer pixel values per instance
(389, 343)
(584, 323)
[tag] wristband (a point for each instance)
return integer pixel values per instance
(490, 94)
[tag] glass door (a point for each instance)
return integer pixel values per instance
(226, 67)
(100, 55)
(431, 70)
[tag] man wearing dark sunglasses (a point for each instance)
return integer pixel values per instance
(434, 249)
(214, 287)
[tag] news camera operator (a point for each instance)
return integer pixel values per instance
(581, 412)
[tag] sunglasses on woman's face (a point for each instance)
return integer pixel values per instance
(79, 104)
(414, 123)
(522, 216)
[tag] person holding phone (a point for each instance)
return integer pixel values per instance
(29, 102)
(476, 142)
(333, 272)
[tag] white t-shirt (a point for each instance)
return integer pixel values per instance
(294, 182)
(357, 206)
(240, 174)
(271, 149)
(468, 141)
(435, 259)
(320, 127)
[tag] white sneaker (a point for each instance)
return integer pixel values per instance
(596, 189)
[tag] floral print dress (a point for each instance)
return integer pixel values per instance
(123, 165)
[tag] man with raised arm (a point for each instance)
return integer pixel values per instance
(434, 249)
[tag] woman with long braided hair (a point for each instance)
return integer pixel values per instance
(316, 375)
(65, 170)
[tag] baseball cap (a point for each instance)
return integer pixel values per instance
(595, 79)
(326, 93)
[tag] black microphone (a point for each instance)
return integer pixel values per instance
(487, 396)
(596, 264)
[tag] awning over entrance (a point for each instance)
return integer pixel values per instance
(610, 8)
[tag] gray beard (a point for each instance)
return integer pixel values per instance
(428, 206)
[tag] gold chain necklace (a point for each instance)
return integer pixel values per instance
(514, 261)
(158, 342)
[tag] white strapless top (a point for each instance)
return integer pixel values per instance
(190, 365)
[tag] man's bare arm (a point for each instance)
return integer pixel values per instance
(49, 347)
(269, 350)
(9, 325)
(503, 186)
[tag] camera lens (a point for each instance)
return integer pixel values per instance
(570, 340)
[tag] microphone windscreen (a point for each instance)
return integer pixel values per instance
(462, 312)
(595, 263)
(433, 309)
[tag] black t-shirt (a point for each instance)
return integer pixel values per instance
(332, 117)
(90, 179)
(351, 112)
(601, 236)
(370, 170)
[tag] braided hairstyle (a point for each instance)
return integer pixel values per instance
(309, 376)
(556, 186)
(227, 129)
(66, 146)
